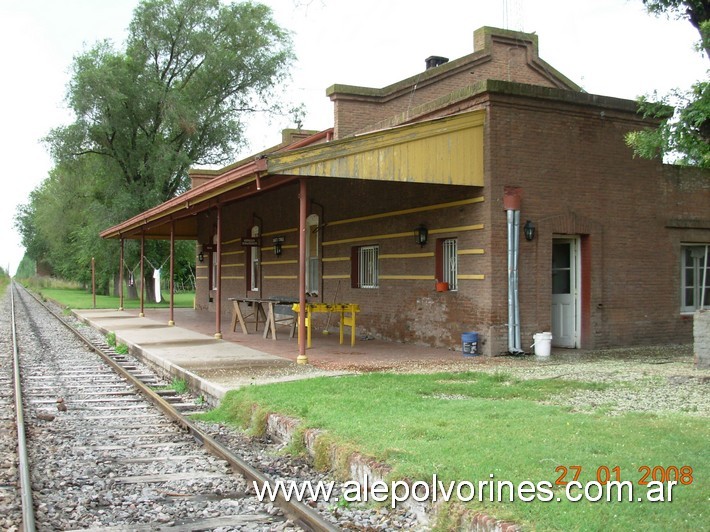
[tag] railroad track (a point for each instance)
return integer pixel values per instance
(108, 452)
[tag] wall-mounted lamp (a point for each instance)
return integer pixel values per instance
(200, 254)
(421, 234)
(529, 230)
(278, 249)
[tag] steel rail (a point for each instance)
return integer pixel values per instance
(301, 514)
(28, 513)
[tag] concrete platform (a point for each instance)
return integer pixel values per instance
(210, 366)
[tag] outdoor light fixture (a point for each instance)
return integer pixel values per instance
(200, 254)
(421, 234)
(529, 230)
(278, 241)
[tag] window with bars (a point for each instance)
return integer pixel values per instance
(365, 266)
(447, 262)
(695, 277)
(450, 264)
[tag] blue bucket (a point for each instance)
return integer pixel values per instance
(469, 344)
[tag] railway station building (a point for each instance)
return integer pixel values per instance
(487, 193)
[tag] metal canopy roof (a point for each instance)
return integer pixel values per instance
(446, 151)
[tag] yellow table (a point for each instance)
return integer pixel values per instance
(340, 308)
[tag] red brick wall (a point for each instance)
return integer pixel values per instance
(579, 178)
(506, 60)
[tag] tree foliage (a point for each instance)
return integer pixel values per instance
(696, 11)
(176, 95)
(682, 137)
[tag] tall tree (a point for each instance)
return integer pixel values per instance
(174, 96)
(177, 95)
(683, 135)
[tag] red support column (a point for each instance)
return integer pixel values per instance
(142, 312)
(171, 320)
(120, 280)
(218, 297)
(303, 212)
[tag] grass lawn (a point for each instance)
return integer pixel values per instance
(79, 298)
(467, 426)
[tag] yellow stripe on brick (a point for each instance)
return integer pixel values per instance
(406, 255)
(470, 252)
(279, 262)
(408, 277)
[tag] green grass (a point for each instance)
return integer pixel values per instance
(179, 385)
(467, 426)
(81, 299)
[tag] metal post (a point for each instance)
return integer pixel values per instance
(303, 210)
(120, 280)
(218, 296)
(93, 281)
(141, 314)
(171, 321)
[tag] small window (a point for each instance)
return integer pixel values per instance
(447, 262)
(254, 269)
(312, 258)
(365, 265)
(695, 277)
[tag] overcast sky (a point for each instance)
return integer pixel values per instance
(609, 47)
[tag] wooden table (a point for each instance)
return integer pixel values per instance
(262, 308)
(347, 317)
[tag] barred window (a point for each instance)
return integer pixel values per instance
(450, 265)
(365, 266)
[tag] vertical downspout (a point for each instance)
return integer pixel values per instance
(141, 314)
(516, 301)
(302, 214)
(218, 297)
(120, 280)
(511, 303)
(171, 320)
(511, 203)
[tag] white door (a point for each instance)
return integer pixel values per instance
(564, 292)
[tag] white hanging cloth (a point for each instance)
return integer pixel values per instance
(156, 278)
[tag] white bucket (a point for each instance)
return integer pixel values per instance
(542, 342)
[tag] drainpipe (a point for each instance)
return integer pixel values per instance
(511, 204)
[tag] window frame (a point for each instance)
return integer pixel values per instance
(359, 259)
(700, 271)
(444, 271)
